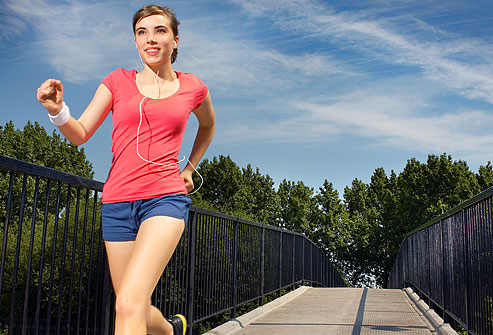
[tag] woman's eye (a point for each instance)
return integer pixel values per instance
(161, 31)
(140, 32)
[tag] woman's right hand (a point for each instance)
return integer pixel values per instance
(50, 95)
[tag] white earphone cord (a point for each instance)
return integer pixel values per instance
(138, 131)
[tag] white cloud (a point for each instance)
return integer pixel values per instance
(81, 41)
(463, 64)
(86, 41)
(234, 65)
(387, 115)
(11, 26)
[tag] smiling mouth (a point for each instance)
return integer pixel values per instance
(152, 51)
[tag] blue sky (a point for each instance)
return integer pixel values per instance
(303, 89)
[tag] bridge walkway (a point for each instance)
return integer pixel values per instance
(332, 311)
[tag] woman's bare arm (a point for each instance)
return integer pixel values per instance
(50, 95)
(205, 133)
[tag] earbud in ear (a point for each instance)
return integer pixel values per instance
(136, 46)
(174, 44)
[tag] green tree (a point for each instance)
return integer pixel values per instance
(355, 259)
(241, 192)
(428, 190)
(485, 176)
(222, 179)
(383, 220)
(296, 206)
(34, 145)
(256, 197)
(331, 227)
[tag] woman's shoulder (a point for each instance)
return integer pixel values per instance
(190, 79)
(121, 72)
(117, 78)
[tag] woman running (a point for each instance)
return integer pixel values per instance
(145, 201)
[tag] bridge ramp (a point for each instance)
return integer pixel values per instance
(332, 311)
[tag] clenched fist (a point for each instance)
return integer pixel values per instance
(50, 95)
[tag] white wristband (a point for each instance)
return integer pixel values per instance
(62, 117)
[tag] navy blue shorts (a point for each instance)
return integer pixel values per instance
(121, 220)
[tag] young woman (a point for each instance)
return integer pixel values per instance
(145, 202)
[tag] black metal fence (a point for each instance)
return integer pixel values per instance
(449, 262)
(54, 278)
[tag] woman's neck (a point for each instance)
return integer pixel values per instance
(164, 72)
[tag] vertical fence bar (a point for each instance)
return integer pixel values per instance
(293, 262)
(311, 263)
(83, 254)
(41, 260)
(30, 258)
(467, 301)
(91, 252)
(5, 231)
(207, 246)
(235, 269)
(428, 257)
(216, 266)
(280, 262)
(192, 244)
(72, 263)
(17, 253)
(303, 262)
(53, 257)
(62, 272)
(262, 260)
(444, 276)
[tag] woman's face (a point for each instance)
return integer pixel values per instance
(154, 39)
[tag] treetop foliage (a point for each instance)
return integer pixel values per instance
(34, 145)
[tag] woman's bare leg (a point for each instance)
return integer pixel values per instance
(135, 269)
(118, 255)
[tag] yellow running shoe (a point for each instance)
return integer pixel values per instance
(179, 324)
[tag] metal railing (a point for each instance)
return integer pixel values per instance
(449, 262)
(54, 278)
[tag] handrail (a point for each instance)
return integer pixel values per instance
(9, 163)
(449, 262)
(54, 276)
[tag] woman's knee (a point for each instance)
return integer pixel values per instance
(127, 305)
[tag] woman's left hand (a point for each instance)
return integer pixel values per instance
(187, 177)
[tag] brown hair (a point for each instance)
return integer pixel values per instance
(148, 10)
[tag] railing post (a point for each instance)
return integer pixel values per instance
(280, 262)
(192, 245)
(262, 260)
(466, 268)
(294, 257)
(303, 262)
(444, 314)
(6, 230)
(429, 254)
(17, 253)
(311, 263)
(235, 268)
